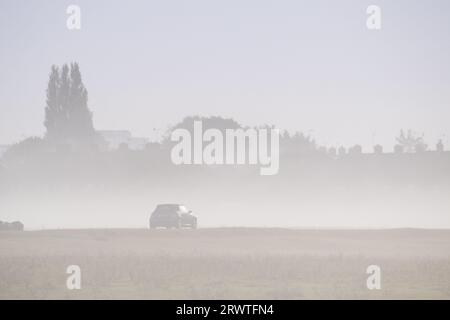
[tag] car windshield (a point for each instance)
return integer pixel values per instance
(166, 209)
(183, 209)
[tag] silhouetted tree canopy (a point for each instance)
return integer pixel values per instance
(411, 142)
(213, 122)
(297, 143)
(24, 149)
(67, 116)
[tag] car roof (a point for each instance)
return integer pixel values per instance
(169, 205)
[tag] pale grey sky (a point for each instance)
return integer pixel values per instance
(306, 65)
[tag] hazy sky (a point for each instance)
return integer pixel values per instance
(307, 65)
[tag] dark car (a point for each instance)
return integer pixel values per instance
(172, 216)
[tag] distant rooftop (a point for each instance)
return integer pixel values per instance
(116, 138)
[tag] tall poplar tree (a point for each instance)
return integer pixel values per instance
(67, 116)
(53, 111)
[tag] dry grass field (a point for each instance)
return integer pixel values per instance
(225, 263)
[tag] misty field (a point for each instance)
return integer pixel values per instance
(225, 263)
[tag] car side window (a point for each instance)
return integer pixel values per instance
(183, 209)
